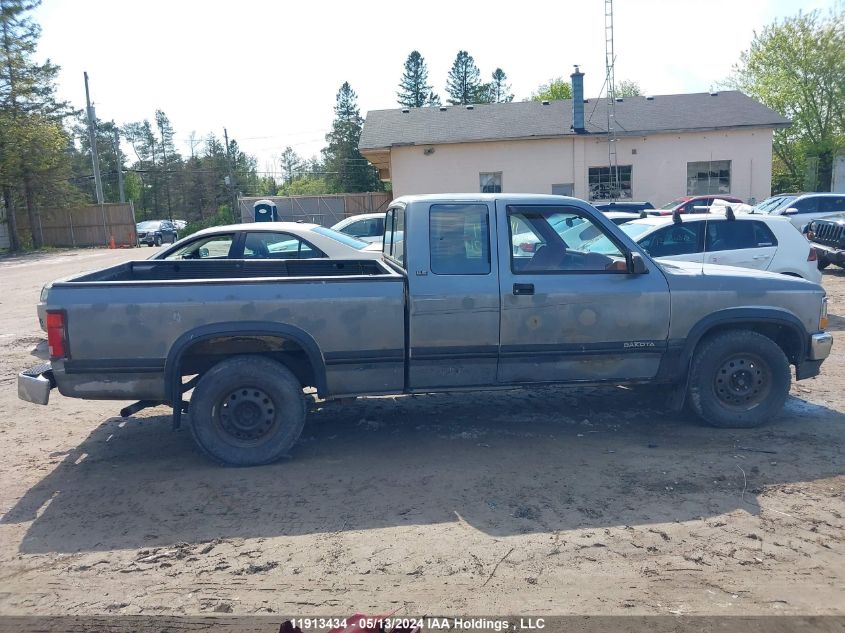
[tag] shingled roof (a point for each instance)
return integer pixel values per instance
(532, 119)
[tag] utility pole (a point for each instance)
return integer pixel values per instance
(231, 178)
(119, 159)
(92, 135)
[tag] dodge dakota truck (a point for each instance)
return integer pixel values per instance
(453, 304)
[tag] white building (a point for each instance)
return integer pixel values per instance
(667, 146)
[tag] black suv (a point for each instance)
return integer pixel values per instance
(156, 232)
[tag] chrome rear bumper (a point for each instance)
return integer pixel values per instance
(34, 384)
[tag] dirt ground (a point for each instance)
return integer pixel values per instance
(551, 501)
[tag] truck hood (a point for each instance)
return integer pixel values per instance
(734, 274)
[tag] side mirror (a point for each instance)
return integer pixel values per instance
(790, 211)
(637, 264)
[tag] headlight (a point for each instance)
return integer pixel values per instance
(823, 320)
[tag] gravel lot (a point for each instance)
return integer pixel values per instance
(550, 501)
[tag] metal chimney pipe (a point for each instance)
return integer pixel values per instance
(577, 100)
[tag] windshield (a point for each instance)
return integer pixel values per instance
(782, 203)
(343, 238)
(147, 225)
(673, 204)
(603, 245)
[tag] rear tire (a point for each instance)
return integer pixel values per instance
(246, 411)
(738, 379)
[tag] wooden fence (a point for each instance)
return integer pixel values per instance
(92, 225)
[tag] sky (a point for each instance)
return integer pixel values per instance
(269, 71)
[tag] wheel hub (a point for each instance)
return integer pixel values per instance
(247, 414)
(742, 381)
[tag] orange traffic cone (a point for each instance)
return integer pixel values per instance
(111, 242)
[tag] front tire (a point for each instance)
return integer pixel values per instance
(158, 240)
(247, 411)
(738, 379)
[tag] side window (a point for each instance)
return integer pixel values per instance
(365, 228)
(560, 240)
(261, 245)
(459, 239)
(678, 239)
(215, 247)
(393, 244)
(732, 235)
(807, 205)
(832, 204)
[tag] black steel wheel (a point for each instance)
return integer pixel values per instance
(739, 379)
(247, 410)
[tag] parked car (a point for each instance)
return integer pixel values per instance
(156, 232)
(367, 227)
(624, 205)
(749, 241)
(807, 207)
(694, 204)
(828, 237)
(257, 240)
(180, 224)
(452, 307)
(268, 240)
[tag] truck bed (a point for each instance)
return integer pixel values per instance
(180, 270)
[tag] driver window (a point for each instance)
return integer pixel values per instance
(214, 247)
(561, 240)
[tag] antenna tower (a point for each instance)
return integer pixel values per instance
(610, 80)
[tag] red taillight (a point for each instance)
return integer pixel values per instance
(813, 256)
(527, 247)
(56, 334)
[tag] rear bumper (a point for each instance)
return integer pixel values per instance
(34, 384)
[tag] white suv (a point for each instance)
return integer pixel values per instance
(750, 241)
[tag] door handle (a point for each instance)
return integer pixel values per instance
(760, 257)
(523, 289)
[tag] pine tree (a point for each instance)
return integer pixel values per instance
(170, 160)
(347, 170)
(500, 90)
(33, 142)
(414, 91)
(433, 99)
(291, 164)
(463, 84)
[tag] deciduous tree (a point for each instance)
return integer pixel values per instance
(556, 89)
(796, 66)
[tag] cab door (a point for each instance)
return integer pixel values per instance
(453, 295)
(574, 312)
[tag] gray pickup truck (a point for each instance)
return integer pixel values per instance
(454, 304)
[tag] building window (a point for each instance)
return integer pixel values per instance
(708, 177)
(491, 182)
(601, 186)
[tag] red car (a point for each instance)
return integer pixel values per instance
(687, 204)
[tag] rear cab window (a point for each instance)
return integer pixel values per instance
(459, 239)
